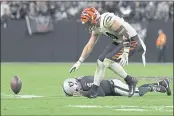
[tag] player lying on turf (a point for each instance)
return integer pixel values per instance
(113, 87)
(125, 43)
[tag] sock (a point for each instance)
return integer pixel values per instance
(118, 69)
(99, 73)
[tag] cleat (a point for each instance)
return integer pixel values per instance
(131, 82)
(166, 84)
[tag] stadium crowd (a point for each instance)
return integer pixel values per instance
(41, 13)
(58, 10)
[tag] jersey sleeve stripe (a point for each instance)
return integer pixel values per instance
(108, 18)
(104, 22)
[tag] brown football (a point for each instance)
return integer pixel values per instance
(16, 84)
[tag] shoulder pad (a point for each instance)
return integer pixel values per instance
(108, 19)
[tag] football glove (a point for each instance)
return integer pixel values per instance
(75, 67)
(124, 57)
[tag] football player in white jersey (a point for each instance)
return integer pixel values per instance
(115, 56)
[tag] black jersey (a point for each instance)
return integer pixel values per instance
(105, 88)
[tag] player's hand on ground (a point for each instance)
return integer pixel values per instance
(75, 67)
(123, 59)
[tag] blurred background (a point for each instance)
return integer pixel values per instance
(50, 31)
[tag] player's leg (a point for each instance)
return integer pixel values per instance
(165, 83)
(151, 88)
(122, 89)
(100, 71)
(113, 64)
(98, 76)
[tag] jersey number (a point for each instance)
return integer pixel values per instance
(112, 36)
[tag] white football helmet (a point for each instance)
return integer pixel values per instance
(71, 87)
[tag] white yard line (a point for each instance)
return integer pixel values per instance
(20, 96)
(128, 108)
(160, 108)
(132, 109)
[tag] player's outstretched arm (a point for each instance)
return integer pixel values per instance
(86, 51)
(89, 46)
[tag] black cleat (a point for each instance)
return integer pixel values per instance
(131, 82)
(166, 84)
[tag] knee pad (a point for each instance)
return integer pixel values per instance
(107, 62)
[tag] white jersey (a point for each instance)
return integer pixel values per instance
(107, 20)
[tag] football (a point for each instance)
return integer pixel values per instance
(16, 84)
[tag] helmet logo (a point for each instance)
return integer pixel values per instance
(70, 83)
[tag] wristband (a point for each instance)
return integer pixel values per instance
(126, 49)
(81, 59)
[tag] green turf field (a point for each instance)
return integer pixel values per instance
(45, 80)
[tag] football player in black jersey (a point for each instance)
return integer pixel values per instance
(81, 85)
